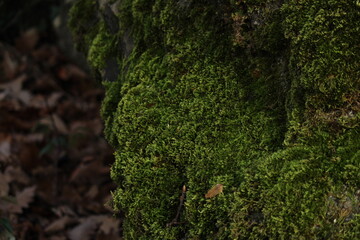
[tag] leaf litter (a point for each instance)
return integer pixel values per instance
(54, 160)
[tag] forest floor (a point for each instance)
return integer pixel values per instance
(54, 161)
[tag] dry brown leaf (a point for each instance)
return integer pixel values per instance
(3, 96)
(109, 203)
(15, 86)
(215, 190)
(23, 199)
(46, 82)
(76, 72)
(68, 71)
(53, 99)
(94, 126)
(59, 124)
(88, 168)
(47, 53)
(59, 224)
(54, 119)
(9, 65)
(28, 155)
(4, 185)
(93, 192)
(13, 121)
(86, 228)
(5, 149)
(63, 210)
(24, 97)
(57, 238)
(28, 138)
(28, 40)
(37, 101)
(16, 174)
(63, 73)
(110, 225)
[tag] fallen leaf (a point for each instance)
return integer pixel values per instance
(58, 238)
(63, 73)
(13, 121)
(93, 192)
(4, 185)
(23, 199)
(94, 126)
(59, 224)
(24, 96)
(16, 174)
(28, 156)
(56, 123)
(15, 86)
(86, 228)
(9, 65)
(29, 138)
(5, 149)
(63, 211)
(53, 99)
(110, 225)
(27, 40)
(47, 53)
(215, 190)
(37, 101)
(88, 168)
(76, 72)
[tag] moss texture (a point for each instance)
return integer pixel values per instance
(260, 96)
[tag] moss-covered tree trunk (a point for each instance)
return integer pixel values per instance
(262, 97)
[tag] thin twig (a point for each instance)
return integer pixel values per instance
(175, 221)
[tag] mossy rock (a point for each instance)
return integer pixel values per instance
(259, 96)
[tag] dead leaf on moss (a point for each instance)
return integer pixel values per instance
(215, 190)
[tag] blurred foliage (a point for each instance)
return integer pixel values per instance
(6, 231)
(18, 16)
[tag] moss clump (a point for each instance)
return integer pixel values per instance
(84, 23)
(260, 96)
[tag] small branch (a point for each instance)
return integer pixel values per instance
(175, 221)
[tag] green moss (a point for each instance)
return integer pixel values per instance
(83, 22)
(260, 96)
(101, 48)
